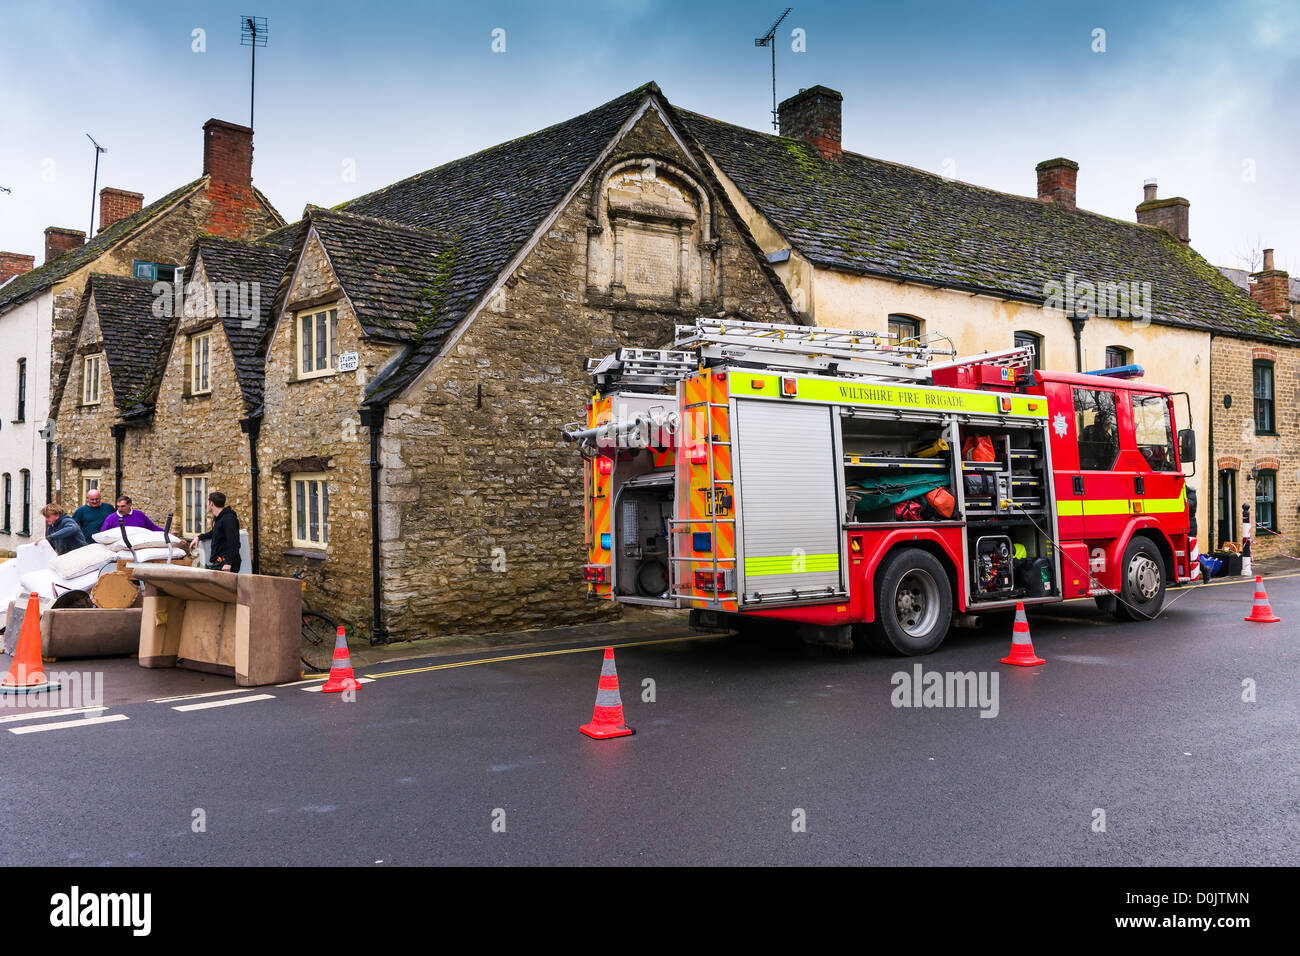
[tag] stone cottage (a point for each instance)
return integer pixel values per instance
(430, 340)
(39, 307)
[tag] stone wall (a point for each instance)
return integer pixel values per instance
(192, 434)
(84, 432)
(317, 418)
(1238, 448)
(482, 501)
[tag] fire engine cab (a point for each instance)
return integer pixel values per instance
(850, 484)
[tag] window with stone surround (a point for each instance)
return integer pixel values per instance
(90, 373)
(310, 510)
(1265, 423)
(1117, 355)
(317, 332)
(1035, 341)
(194, 500)
(201, 364)
(1266, 501)
(90, 479)
(904, 329)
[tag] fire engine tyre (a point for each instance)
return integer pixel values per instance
(1143, 589)
(913, 601)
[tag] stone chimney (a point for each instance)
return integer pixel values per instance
(228, 161)
(59, 240)
(1167, 214)
(1271, 287)
(14, 264)
(116, 204)
(1057, 179)
(813, 115)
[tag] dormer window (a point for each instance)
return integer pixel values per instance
(316, 334)
(157, 271)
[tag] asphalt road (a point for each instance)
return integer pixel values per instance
(456, 762)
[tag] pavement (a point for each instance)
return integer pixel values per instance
(1134, 744)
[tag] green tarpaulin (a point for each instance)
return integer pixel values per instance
(894, 489)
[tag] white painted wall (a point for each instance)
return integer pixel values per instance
(25, 332)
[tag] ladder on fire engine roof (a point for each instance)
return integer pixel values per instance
(846, 352)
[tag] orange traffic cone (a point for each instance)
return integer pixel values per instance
(341, 677)
(607, 717)
(26, 675)
(1261, 613)
(1022, 648)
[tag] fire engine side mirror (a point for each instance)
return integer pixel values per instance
(1187, 445)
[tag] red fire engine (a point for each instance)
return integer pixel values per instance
(843, 482)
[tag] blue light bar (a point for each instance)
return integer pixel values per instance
(1121, 371)
(605, 541)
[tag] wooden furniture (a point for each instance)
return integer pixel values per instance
(248, 626)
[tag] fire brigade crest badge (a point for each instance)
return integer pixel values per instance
(1059, 425)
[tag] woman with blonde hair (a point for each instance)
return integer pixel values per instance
(62, 532)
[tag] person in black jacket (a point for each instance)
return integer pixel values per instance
(224, 552)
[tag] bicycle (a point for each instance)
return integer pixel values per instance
(319, 631)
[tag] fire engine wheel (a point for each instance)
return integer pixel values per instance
(1143, 591)
(913, 601)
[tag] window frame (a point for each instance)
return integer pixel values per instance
(90, 474)
(1138, 401)
(1036, 340)
(8, 482)
(26, 529)
(98, 360)
(897, 318)
(1125, 355)
(1079, 426)
(150, 270)
(1272, 524)
(204, 338)
(1257, 366)
(306, 479)
(189, 527)
(22, 390)
(330, 316)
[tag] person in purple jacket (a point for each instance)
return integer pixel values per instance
(126, 515)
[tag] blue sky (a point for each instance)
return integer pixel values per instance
(352, 97)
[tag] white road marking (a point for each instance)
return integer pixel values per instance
(224, 703)
(309, 680)
(63, 724)
(359, 680)
(211, 693)
(37, 714)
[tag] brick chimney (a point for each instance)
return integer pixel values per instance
(813, 115)
(1167, 214)
(1271, 287)
(116, 204)
(59, 240)
(1057, 179)
(228, 160)
(14, 264)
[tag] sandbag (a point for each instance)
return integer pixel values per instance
(978, 448)
(139, 538)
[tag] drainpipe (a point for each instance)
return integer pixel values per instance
(119, 433)
(372, 418)
(251, 426)
(1211, 469)
(1077, 322)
